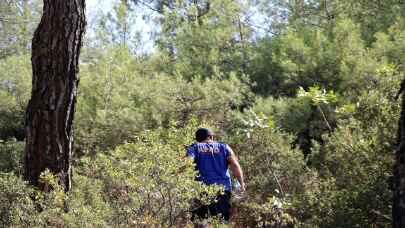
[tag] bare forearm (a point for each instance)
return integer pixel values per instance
(237, 172)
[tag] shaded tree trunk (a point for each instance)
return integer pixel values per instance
(398, 209)
(49, 118)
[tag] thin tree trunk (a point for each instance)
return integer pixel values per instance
(398, 209)
(49, 118)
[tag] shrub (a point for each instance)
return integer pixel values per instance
(275, 172)
(11, 153)
(147, 182)
(355, 162)
(16, 205)
(15, 86)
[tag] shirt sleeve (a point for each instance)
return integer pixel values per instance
(191, 152)
(228, 151)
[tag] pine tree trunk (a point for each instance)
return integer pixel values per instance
(49, 118)
(398, 209)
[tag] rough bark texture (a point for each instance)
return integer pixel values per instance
(55, 58)
(398, 209)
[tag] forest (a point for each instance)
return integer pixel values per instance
(307, 93)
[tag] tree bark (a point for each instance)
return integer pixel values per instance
(398, 209)
(49, 118)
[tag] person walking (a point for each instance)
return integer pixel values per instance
(212, 160)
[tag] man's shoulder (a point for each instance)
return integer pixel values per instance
(224, 147)
(221, 143)
(192, 146)
(227, 148)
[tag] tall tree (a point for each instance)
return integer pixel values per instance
(55, 58)
(205, 38)
(116, 27)
(398, 209)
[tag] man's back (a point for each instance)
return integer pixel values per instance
(212, 164)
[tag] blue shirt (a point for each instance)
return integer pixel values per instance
(212, 163)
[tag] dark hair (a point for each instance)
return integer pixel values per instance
(202, 134)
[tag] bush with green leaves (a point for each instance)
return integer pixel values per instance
(147, 182)
(265, 153)
(15, 86)
(16, 205)
(22, 205)
(355, 162)
(143, 183)
(11, 156)
(307, 117)
(275, 173)
(360, 167)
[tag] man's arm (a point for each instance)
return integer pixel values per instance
(236, 170)
(190, 155)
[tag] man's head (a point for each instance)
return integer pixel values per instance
(202, 134)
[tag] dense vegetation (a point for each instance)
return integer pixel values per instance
(306, 98)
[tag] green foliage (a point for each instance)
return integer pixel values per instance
(317, 96)
(205, 38)
(275, 172)
(355, 162)
(115, 28)
(290, 114)
(147, 182)
(372, 16)
(15, 85)
(11, 153)
(268, 214)
(308, 116)
(18, 21)
(315, 140)
(304, 58)
(389, 47)
(268, 152)
(354, 170)
(16, 205)
(117, 100)
(266, 75)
